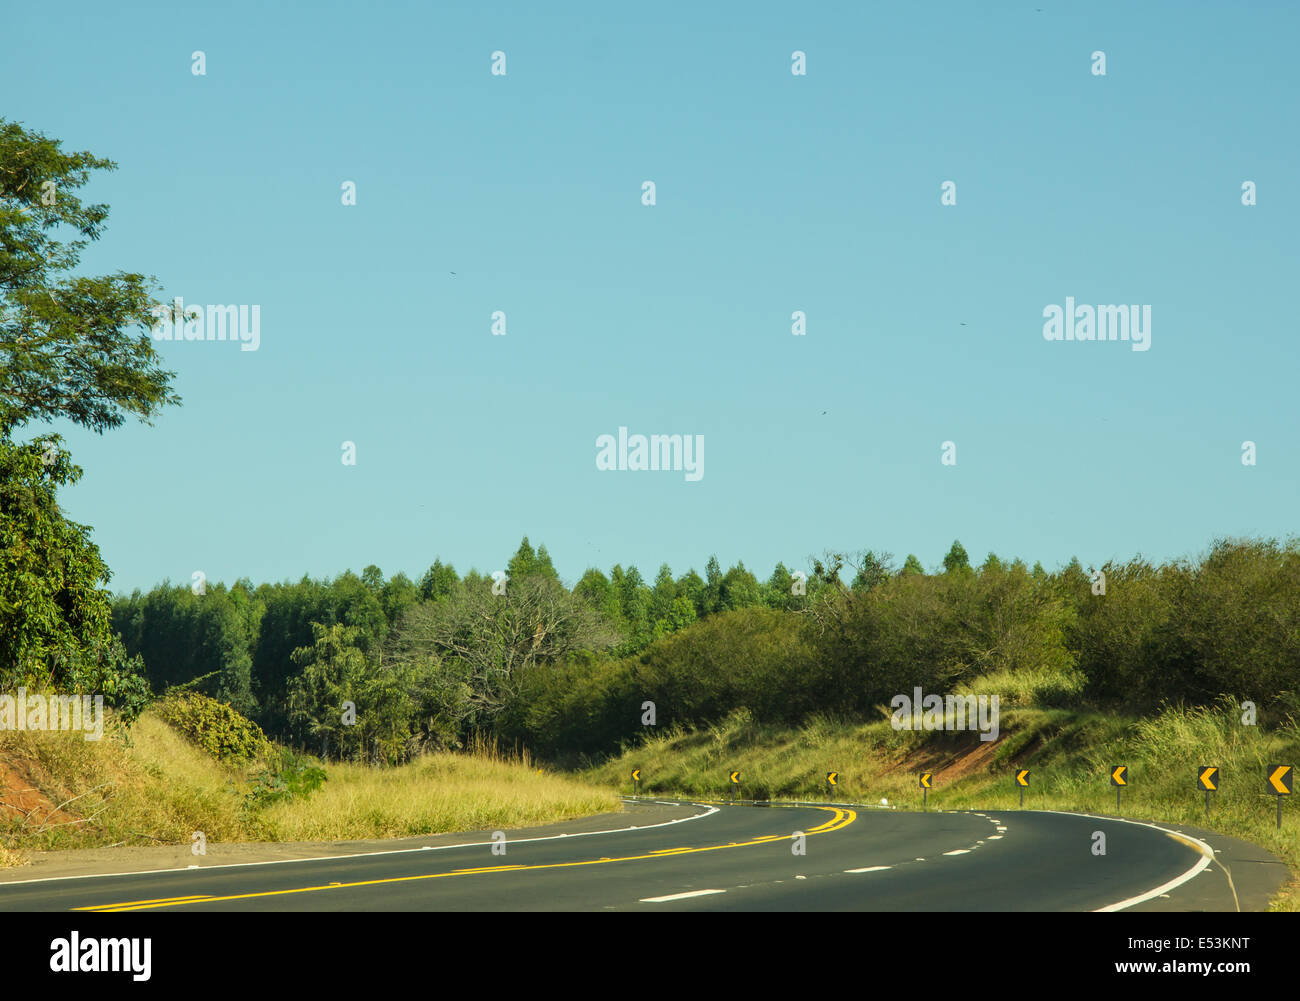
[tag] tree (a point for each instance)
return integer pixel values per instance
(332, 671)
(911, 566)
(712, 587)
(523, 563)
(55, 615)
(956, 559)
(662, 595)
(542, 565)
(488, 638)
(438, 581)
(595, 589)
(873, 571)
(691, 586)
(777, 592)
(739, 589)
(396, 596)
(67, 352)
(66, 346)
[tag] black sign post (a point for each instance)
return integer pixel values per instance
(1119, 779)
(1281, 782)
(1207, 778)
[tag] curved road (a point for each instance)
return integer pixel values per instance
(694, 856)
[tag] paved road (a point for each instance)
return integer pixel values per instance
(684, 856)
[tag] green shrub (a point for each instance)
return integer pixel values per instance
(292, 776)
(215, 727)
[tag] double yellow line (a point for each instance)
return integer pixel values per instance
(840, 820)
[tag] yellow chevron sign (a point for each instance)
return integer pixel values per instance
(636, 774)
(1022, 777)
(1208, 778)
(1280, 780)
(833, 778)
(925, 780)
(735, 778)
(1119, 775)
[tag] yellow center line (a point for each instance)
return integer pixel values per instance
(194, 898)
(841, 819)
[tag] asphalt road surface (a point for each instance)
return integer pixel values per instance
(663, 856)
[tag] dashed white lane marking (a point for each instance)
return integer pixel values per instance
(995, 837)
(1001, 830)
(871, 868)
(679, 896)
(958, 851)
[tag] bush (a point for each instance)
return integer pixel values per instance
(215, 727)
(292, 777)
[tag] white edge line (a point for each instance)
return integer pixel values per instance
(708, 810)
(679, 896)
(1206, 854)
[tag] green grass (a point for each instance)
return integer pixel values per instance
(1069, 751)
(482, 789)
(156, 787)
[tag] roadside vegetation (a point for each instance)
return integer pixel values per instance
(1069, 753)
(161, 781)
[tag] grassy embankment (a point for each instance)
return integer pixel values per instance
(156, 787)
(1070, 752)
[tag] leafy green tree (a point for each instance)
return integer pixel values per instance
(543, 566)
(912, 565)
(523, 563)
(956, 560)
(691, 586)
(72, 347)
(739, 589)
(483, 640)
(55, 614)
(712, 587)
(873, 572)
(330, 672)
(776, 590)
(596, 590)
(662, 595)
(438, 581)
(396, 596)
(66, 346)
(634, 601)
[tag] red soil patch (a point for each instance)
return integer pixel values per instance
(950, 763)
(19, 799)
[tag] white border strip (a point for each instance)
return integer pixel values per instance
(708, 811)
(678, 896)
(1207, 855)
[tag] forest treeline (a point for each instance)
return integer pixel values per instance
(379, 668)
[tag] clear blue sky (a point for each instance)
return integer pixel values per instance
(775, 193)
